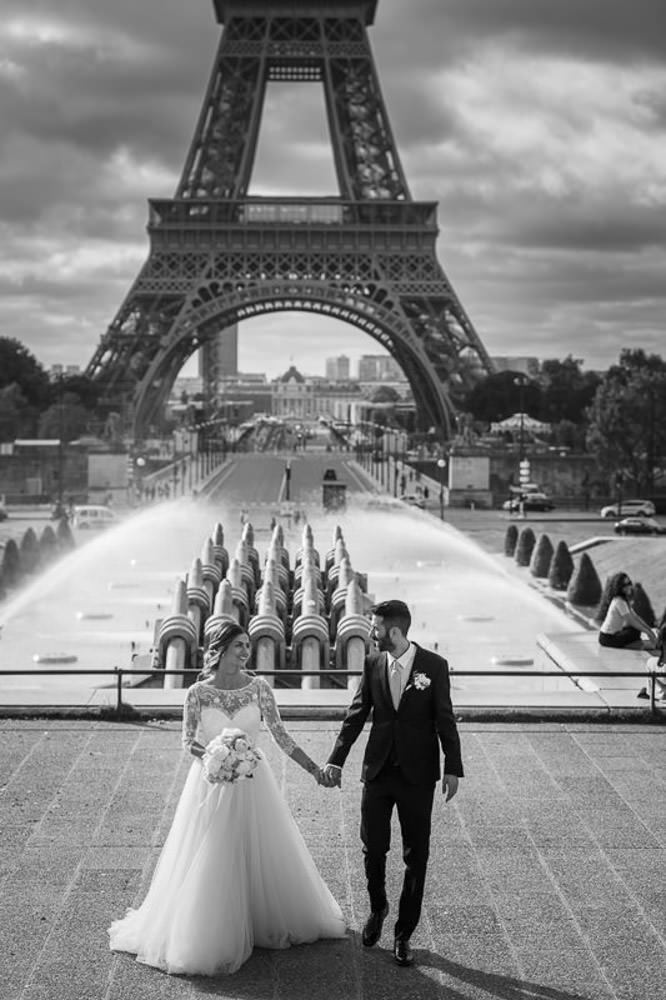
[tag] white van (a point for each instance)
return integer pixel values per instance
(96, 517)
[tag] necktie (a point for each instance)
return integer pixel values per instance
(395, 683)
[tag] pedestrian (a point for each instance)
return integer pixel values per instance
(406, 691)
(621, 626)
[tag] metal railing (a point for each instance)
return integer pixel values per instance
(118, 673)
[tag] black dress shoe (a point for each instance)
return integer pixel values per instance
(402, 953)
(373, 926)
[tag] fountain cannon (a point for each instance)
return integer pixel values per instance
(308, 562)
(177, 639)
(247, 572)
(307, 548)
(224, 610)
(277, 540)
(343, 577)
(330, 555)
(274, 554)
(273, 574)
(247, 537)
(339, 553)
(220, 554)
(211, 572)
(198, 598)
(353, 634)
(309, 586)
(266, 632)
(238, 592)
(309, 636)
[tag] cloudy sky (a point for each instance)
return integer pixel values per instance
(539, 127)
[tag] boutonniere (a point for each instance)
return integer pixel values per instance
(421, 681)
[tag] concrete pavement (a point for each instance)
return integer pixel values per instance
(546, 875)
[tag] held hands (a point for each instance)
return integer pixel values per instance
(329, 776)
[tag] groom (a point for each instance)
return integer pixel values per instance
(406, 688)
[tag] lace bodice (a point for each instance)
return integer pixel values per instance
(208, 711)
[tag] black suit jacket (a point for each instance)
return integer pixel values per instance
(424, 721)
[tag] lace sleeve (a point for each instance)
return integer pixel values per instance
(191, 713)
(271, 716)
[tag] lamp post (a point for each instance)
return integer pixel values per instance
(441, 465)
(61, 454)
(521, 381)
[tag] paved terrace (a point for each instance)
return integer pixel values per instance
(546, 877)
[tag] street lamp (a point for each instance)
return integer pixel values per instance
(441, 465)
(521, 381)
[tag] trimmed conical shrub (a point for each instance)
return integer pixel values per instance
(510, 540)
(64, 535)
(541, 557)
(585, 586)
(642, 605)
(48, 544)
(11, 564)
(561, 567)
(29, 550)
(526, 543)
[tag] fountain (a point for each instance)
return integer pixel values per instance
(114, 599)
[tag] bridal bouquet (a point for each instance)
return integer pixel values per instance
(229, 757)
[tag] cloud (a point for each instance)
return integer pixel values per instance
(538, 127)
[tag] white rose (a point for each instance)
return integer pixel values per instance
(241, 745)
(243, 767)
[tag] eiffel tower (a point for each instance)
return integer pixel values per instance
(218, 256)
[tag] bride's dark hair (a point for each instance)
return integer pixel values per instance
(218, 645)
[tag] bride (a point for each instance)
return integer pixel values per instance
(234, 871)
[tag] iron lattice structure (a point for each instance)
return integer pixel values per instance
(218, 256)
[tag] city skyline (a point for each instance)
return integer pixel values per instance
(539, 130)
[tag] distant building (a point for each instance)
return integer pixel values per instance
(219, 355)
(526, 365)
(379, 368)
(337, 369)
(302, 399)
(293, 396)
(64, 371)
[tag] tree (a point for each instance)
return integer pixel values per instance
(561, 567)
(19, 367)
(627, 433)
(525, 546)
(567, 392)
(84, 388)
(17, 417)
(385, 394)
(66, 419)
(541, 557)
(584, 586)
(496, 397)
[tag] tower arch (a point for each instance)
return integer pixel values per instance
(218, 255)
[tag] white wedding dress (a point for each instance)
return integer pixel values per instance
(234, 871)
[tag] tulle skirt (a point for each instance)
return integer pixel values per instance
(234, 872)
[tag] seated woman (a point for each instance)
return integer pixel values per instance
(622, 627)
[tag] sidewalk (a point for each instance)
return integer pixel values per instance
(546, 874)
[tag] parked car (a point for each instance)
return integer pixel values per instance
(637, 526)
(3, 512)
(531, 501)
(413, 499)
(93, 516)
(629, 508)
